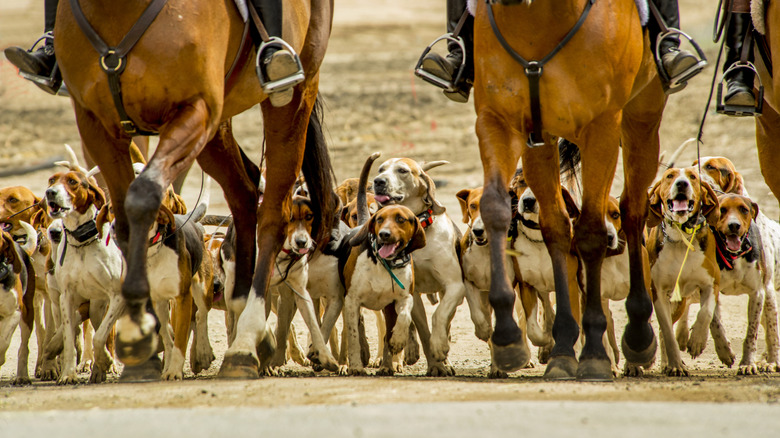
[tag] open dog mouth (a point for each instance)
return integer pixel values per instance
(384, 199)
(388, 250)
(680, 204)
(733, 242)
(56, 209)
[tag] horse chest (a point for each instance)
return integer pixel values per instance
(373, 285)
(615, 278)
(666, 269)
(535, 264)
(163, 271)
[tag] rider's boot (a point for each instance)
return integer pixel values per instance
(40, 62)
(678, 64)
(277, 62)
(446, 67)
(739, 82)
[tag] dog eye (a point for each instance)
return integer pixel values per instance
(473, 206)
(13, 200)
(51, 181)
(400, 219)
(402, 170)
(693, 177)
(744, 210)
(670, 176)
(72, 181)
(722, 210)
(709, 167)
(309, 217)
(616, 216)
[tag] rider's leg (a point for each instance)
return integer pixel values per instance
(277, 62)
(740, 81)
(675, 61)
(40, 62)
(447, 67)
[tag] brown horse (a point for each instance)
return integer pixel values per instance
(181, 81)
(768, 125)
(600, 89)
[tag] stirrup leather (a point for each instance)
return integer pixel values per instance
(677, 83)
(281, 83)
(741, 110)
(448, 86)
(52, 83)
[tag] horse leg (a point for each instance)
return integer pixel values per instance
(641, 120)
(285, 130)
(768, 142)
(184, 137)
(499, 153)
(599, 158)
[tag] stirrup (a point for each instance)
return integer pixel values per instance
(281, 83)
(448, 86)
(52, 83)
(677, 83)
(740, 110)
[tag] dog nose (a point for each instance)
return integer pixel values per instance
(50, 193)
(681, 185)
(610, 239)
(528, 203)
(478, 232)
(301, 242)
(379, 183)
(734, 227)
(384, 234)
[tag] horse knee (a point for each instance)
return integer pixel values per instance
(495, 208)
(144, 197)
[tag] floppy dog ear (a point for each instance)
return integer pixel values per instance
(362, 234)
(104, 216)
(418, 239)
(430, 196)
(97, 195)
(753, 209)
(571, 207)
(710, 204)
(739, 183)
(655, 209)
(463, 199)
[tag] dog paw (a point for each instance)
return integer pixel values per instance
(396, 344)
(495, 373)
(747, 370)
(22, 381)
(633, 370)
(172, 375)
(544, 353)
(49, 373)
(375, 363)
(439, 350)
(385, 371)
(440, 369)
(676, 371)
(343, 370)
(98, 375)
(768, 367)
(84, 367)
(271, 371)
(355, 371)
(68, 379)
(483, 331)
(696, 346)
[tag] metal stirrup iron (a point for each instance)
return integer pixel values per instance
(677, 83)
(448, 86)
(280, 84)
(743, 64)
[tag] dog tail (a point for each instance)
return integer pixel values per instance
(320, 179)
(32, 239)
(199, 212)
(362, 203)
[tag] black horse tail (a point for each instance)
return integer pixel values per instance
(569, 155)
(320, 178)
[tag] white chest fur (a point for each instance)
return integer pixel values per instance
(373, 285)
(535, 263)
(667, 267)
(162, 264)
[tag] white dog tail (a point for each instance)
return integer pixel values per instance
(32, 238)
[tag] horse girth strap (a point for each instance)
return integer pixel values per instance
(533, 69)
(113, 60)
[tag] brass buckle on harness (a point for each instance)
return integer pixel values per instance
(448, 86)
(677, 83)
(741, 110)
(282, 83)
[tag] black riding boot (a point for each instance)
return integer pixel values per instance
(739, 82)
(675, 62)
(446, 67)
(277, 62)
(41, 61)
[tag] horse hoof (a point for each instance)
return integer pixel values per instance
(239, 366)
(561, 368)
(644, 358)
(511, 357)
(149, 371)
(594, 370)
(136, 343)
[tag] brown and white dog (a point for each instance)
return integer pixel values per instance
(402, 181)
(681, 208)
(722, 174)
(380, 275)
(87, 268)
(17, 292)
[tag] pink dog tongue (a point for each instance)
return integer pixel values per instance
(387, 250)
(303, 250)
(733, 243)
(381, 198)
(679, 205)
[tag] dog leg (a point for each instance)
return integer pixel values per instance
(68, 358)
(482, 327)
(87, 354)
(700, 328)
(682, 332)
(351, 315)
(720, 339)
(41, 323)
(105, 322)
(284, 313)
(171, 356)
(673, 366)
(203, 353)
(609, 340)
(748, 363)
(435, 368)
(320, 353)
(7, 328)
(381, 336)
(390, 357)
(769, 321)
(180, 321)
(295, 349)
(455, 291)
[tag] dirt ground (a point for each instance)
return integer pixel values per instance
(373, 102)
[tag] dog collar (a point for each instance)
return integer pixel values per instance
(5, 270)
(400, 261)
(85, 234)
(725, 256)
(426, 218)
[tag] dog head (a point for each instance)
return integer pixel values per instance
(299, 239)
(736, 214)
(347, 190)
(72, 191)
(395, 229)
(469, 205)
(528, 207)
(681, 196)
(349, 213)
(402, 181)
(615, 237)
(720, 173)
(17, 204)
(11, 262)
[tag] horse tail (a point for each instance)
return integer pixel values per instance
(569, 155)
(320, 178)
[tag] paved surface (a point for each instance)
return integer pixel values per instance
(430, 420)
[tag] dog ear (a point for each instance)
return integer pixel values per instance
(104, 216)
(463, 199)
(739, 183)
(96, 193)
(179, 207)
(709, 204)
(430, 196)
(9, 251)
(754, 209)
(571, 207)
(655, 209)
(418, 239)
(362, 234)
